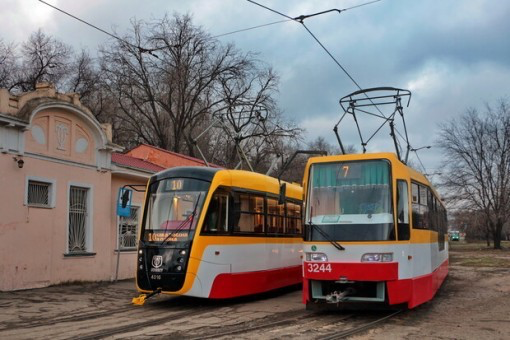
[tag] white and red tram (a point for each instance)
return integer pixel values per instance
(216, 233)
(375, 232)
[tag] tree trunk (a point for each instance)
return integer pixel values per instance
(497, 235)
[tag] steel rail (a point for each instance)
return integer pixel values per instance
(358, 329)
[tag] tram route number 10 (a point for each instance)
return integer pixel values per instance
(318, 267)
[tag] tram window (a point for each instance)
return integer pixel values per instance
(275, 217)
(423, 211)
(293, 218)
(403, 210)
(433, 213)
(249, 213)
(215, 221)
(416, 192)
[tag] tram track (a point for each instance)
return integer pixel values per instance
(140, 325)
(306, 323)
(82, 316)
(74, 318)
(357, 329)
(193, 319)
(290, 319)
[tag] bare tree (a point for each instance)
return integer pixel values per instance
(8, 65)
(43, 58)
(477, 168)
(181, 81)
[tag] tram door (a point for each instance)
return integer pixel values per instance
(404, 228)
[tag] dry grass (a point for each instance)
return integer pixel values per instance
(477, 254)
(477, 246)
(485, 261)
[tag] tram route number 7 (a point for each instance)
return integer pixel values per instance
(318, 267)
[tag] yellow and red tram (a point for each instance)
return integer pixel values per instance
(216, 233)
(375, 233)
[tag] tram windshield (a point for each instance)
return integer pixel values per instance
(350, 201)
(173, 208)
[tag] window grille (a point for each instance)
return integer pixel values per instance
(128, 226)
(38, 193)
(77, 219)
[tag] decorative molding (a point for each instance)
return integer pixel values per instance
(63, 161)
(61, 131)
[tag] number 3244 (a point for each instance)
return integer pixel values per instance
(318, 267)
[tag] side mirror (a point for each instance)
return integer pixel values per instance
(125, 198)
(281, 196)
(124, 202)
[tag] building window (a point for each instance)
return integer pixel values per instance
(78, 219)
(39, 192)
(128, 226)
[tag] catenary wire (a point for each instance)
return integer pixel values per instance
(95, 27)
(147, 50)
(300, 20)
(251, 28)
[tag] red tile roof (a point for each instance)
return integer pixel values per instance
(126, 160)
(165, 158)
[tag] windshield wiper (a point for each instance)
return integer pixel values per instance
(190, 218)
(323, 233)
(326, 236)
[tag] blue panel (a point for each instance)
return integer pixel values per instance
(124, 202)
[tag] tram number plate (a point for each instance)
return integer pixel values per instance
(318, 267)
(155, 277)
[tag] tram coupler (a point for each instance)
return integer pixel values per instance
(140, 300)
(337, 297)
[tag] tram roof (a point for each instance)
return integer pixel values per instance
(199, 172)
(236, 178)
(392, 157)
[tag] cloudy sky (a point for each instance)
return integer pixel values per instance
(452, 54)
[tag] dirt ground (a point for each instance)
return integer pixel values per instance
(474, 302)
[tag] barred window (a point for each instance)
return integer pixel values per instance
(38, 193)
(128, 227)
(78, 219)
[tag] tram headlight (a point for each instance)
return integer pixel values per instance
(178, 268)
(319, 257)
(377, 257)
(182, 252)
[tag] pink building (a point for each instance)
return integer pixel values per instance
(59, 178)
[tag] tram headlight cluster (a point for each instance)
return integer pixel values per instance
(318, 257)
(377, 257)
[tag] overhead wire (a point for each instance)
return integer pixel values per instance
(251, 28)
(139, 48)
(300, 19)
(150, 50)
